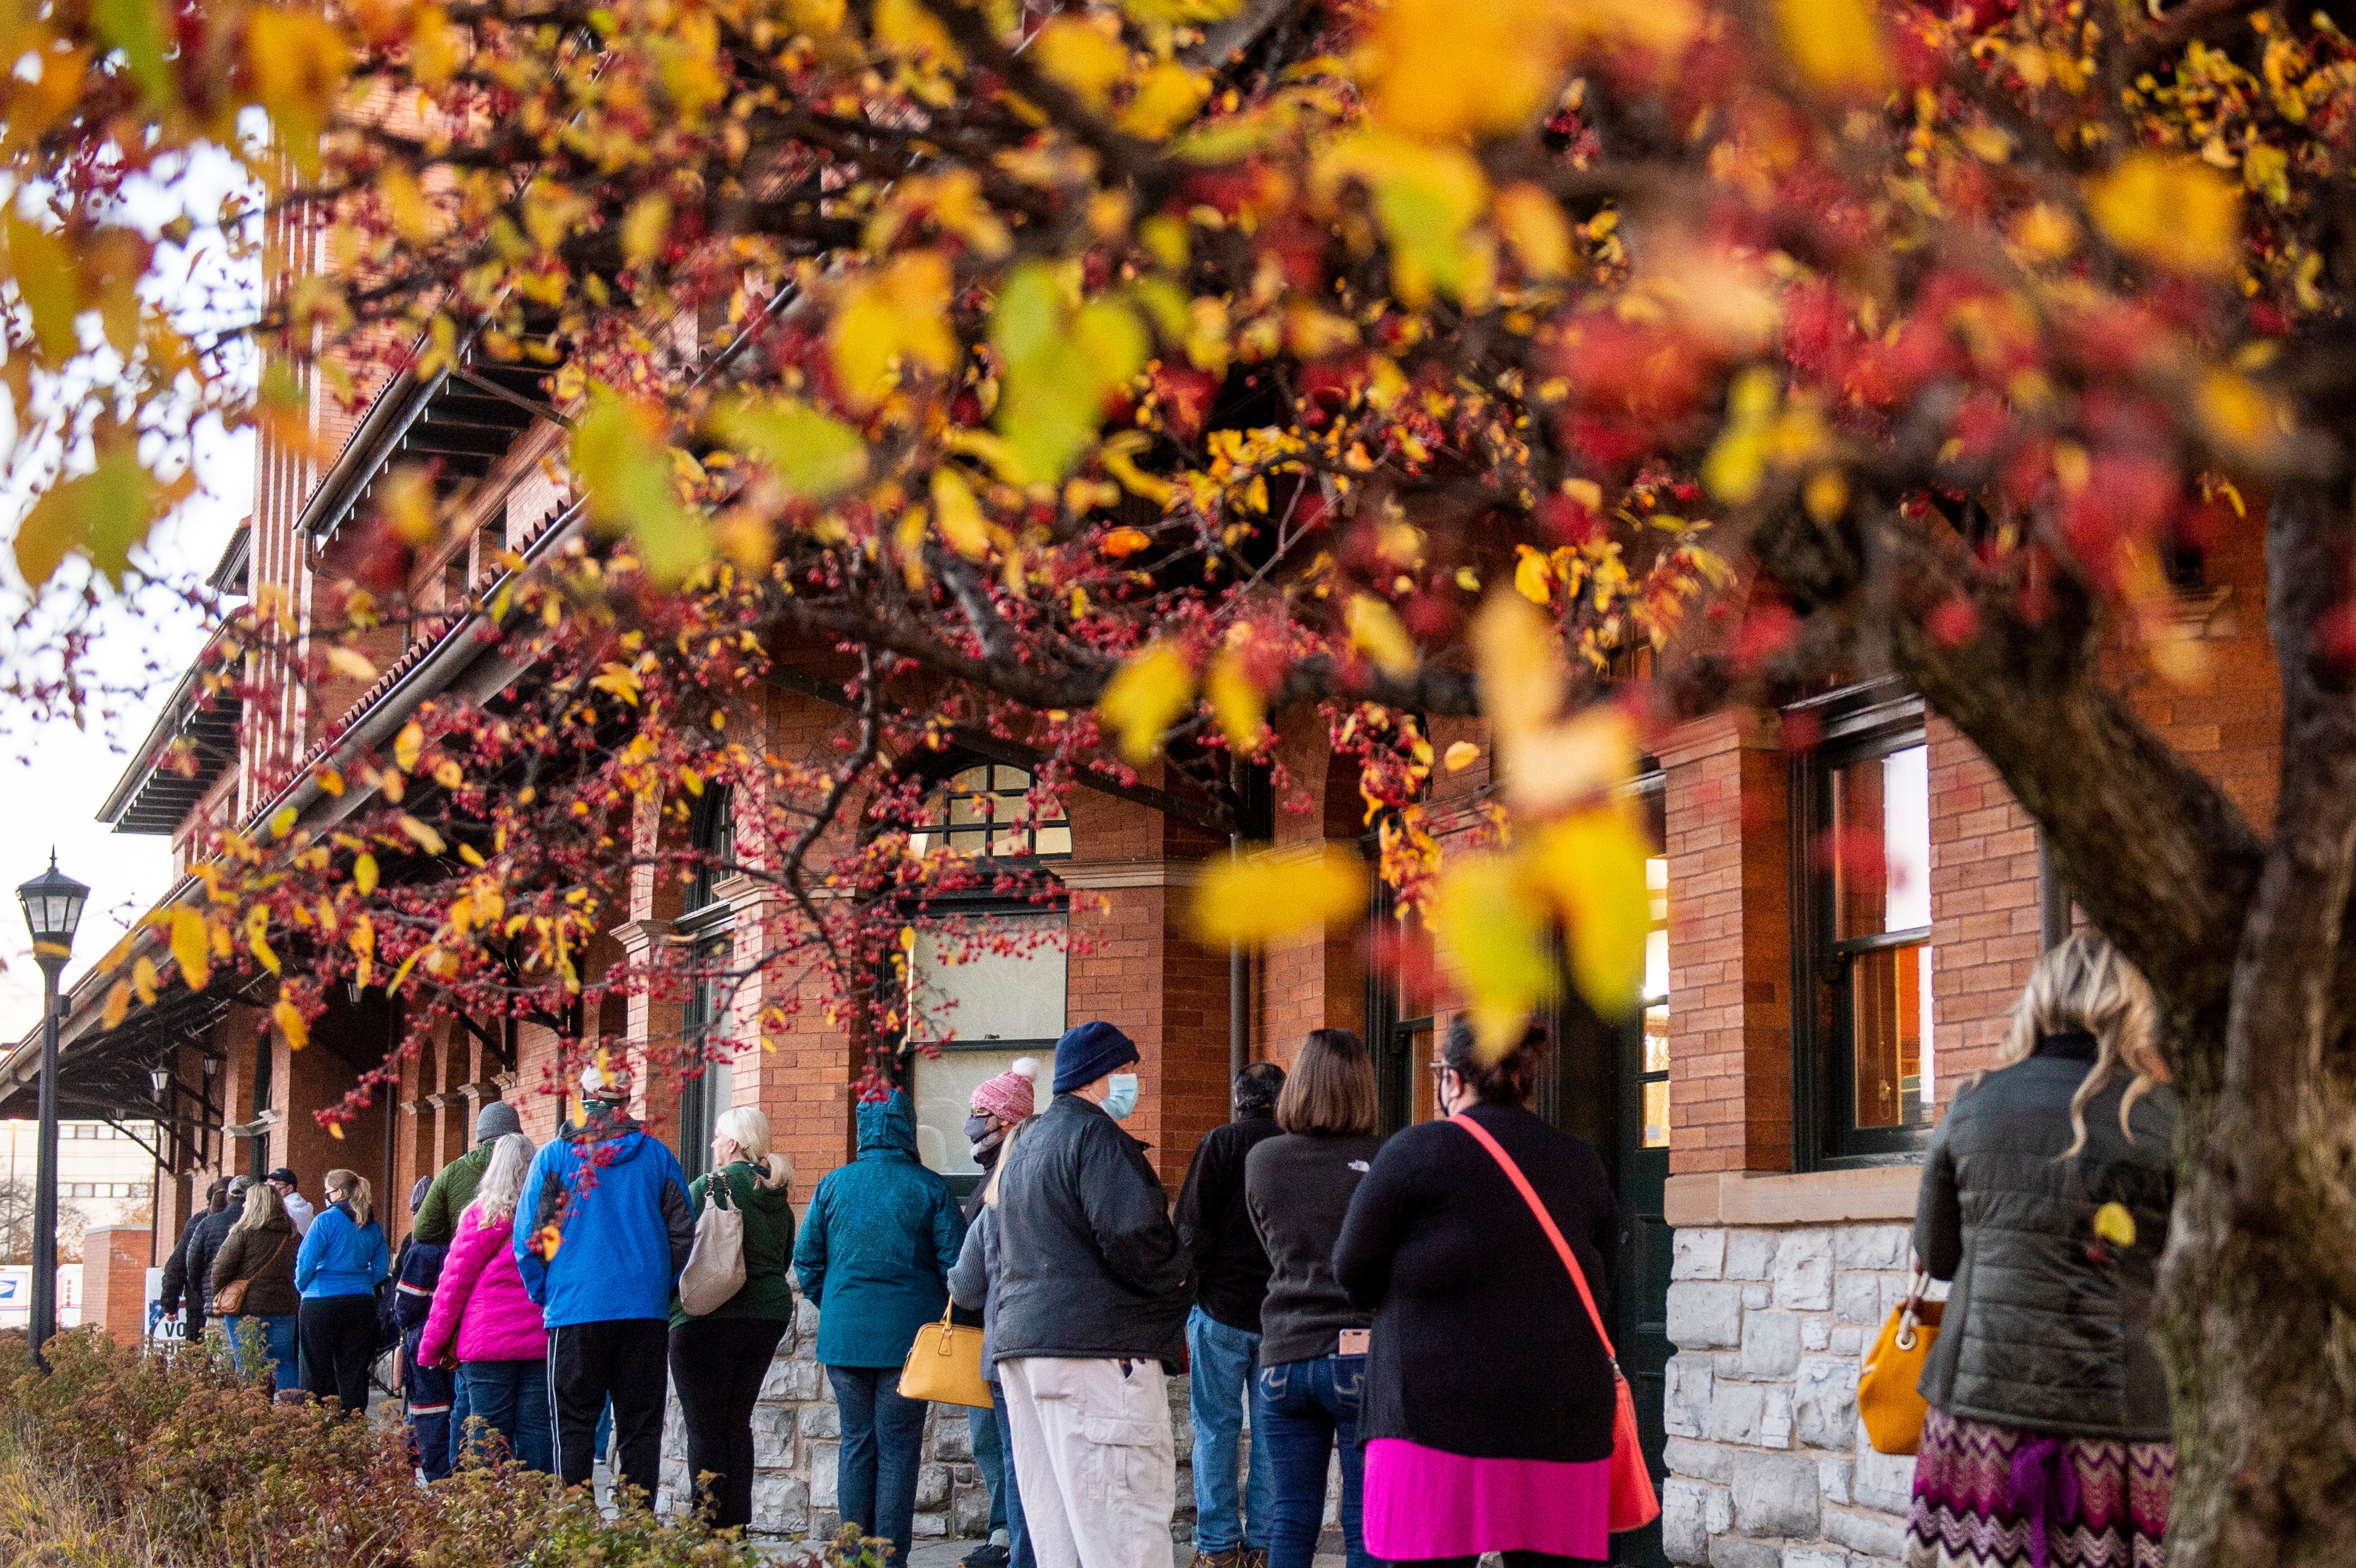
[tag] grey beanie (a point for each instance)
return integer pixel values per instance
(495, 1119)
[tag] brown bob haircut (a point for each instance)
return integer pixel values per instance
(1330, 1091)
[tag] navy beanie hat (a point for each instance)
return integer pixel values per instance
(1088, 1052)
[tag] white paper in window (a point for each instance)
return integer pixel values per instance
(1906, 839)
(990, 996)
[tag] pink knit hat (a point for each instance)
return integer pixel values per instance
(1010, 1095)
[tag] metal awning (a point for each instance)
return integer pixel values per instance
(166, 778)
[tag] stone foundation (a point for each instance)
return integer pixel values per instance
(1768, 1463)
(796, 1431)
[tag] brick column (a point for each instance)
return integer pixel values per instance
(114, 1281)
(1986, 922)
(1729, 947)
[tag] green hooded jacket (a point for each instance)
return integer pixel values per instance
(768, 1290)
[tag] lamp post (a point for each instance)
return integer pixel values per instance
(52, 911)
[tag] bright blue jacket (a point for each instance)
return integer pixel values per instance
(339, 1256)
(875, 1250)
(619, 1201)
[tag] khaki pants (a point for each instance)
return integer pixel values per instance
(1093, 1459)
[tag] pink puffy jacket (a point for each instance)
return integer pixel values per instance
(480, 1297)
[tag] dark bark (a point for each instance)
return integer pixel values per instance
(2240, 938)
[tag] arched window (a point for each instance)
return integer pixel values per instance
(985, 810)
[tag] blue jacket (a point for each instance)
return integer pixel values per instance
(619, 1201)
(338, 1257)
(875, 1249)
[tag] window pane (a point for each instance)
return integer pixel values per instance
(1882, 812)
(1891, 1011)
(945, 1086)
(991, 996)
(1657, 1115)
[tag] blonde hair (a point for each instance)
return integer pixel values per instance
(2085, 986)
(356, 1191)
(501, 1188)
(1005, 1152)
(261, 1206)
(749, 1131)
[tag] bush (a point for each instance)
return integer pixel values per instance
(120, 1460)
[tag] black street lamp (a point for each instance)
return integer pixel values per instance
(52, 911)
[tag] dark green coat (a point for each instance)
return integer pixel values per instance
(768, 1290)
(2043, 1329)
(437, 1217)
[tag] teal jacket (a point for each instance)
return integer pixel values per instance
(875, 1250)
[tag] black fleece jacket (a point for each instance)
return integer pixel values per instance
(1480, 1345)
(1231, 1267)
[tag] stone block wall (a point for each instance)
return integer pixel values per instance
(797, 1431)
(1768, 1463)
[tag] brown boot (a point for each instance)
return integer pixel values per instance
(1255, 1557)
(1233, 1557)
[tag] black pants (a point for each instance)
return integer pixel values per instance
(337, 1335)
(717, 1365)
(589, 1363)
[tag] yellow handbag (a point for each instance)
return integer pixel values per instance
(1887, 1397)
(945, 1365)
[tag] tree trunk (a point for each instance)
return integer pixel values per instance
(2262, 1365)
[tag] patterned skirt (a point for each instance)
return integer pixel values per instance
(2000, 1497)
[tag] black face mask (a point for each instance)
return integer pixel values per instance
(980, 1128)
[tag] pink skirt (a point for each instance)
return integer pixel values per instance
(1422, 1502)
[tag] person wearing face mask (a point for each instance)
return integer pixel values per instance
(1092, 1299)
(1000, 1106)
(1486, 1407)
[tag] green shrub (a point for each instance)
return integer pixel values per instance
(181, 1463)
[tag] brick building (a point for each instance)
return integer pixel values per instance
(1804, 1016)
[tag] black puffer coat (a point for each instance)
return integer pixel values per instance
(2047, 1327)
(1089, 1265)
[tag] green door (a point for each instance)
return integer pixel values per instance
(1642, 1173)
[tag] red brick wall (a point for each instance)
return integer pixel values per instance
(1730, 949)
(114, 1282)
(1986, 922)
(1316, 981)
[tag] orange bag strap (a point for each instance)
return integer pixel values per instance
(1545, 1222)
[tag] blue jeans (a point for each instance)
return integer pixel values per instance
(510, 1399)
(882, 1444)
(1308, 1409)
(990, 1459)
(277, 1343)
(1220, 1361)
(1018, 1534)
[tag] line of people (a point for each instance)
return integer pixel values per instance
(1331, 1282)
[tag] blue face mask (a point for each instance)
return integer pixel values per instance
(1122, 1100)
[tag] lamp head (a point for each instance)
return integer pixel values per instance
(160, 1078)
(52, 904)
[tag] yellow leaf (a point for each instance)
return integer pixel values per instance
(1427, 196)
(192, 946)
(335, 1131)
(330, 782)
(1376, 632)
(257, 938)
(1532, 227)
(1534, 577)
(906, 29)
(644, 227)
(1519, 666)
(621, 457)
(118, 1005)
(1837, 44)
(1461, 756)
(364, 873)
(1144, 696)
(2114, 1223)
(899, 315)
(47, 282)
(1593, 865)
(1490, 933)
(405, 203)
(1166, 100)
(448, 774)
(407, 746)
(1079, 55)
(363, 944)
(1570, 763)
(1236, 701)
(298, 62)
(963, 528)
(426, 838)
(351, 662)
(142, 979)
(1267, 895)
(2176, 211)
(2239, 415)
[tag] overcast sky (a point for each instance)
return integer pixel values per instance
(54, 774)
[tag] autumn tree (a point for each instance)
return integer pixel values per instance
(1105, 377)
